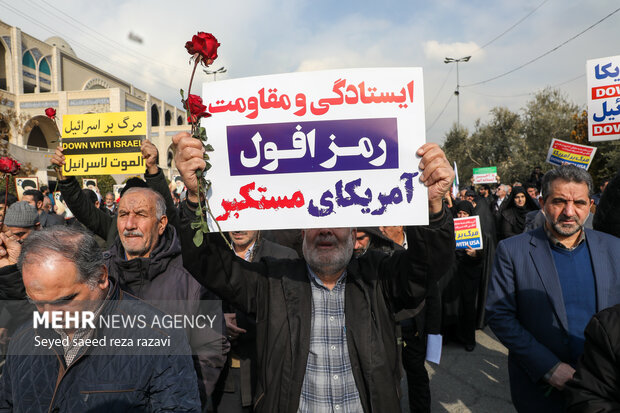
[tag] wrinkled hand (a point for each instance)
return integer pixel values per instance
(188, 157)
(232, 331)
(437, 174)
(151, 156)
(470, 251)
(563, 373)
(58, 159)
(10, 248)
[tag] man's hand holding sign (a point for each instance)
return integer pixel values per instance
(437, 175)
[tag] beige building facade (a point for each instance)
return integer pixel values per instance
(35, 75)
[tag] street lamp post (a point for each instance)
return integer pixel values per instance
(457, 92)
(215, 72)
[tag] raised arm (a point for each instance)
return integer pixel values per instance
(212, 264)
(431, 248)
(88, 214)
(156, 180)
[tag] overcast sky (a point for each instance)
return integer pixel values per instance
(270, 36)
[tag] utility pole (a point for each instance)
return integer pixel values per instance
(457, 91)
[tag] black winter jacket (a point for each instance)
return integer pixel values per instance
(244, 347)
(278, 294)
(595, 386)
(162, 280)
(97, 382)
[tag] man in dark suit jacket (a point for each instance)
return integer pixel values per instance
(545, 287)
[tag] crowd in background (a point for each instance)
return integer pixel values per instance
(145, 255)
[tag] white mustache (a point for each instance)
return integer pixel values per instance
(136, 233)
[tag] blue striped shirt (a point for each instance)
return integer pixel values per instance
(328, 385)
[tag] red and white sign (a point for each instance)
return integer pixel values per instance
(603, 98)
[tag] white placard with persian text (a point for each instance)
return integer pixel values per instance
(320, 149)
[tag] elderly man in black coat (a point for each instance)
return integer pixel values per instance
(325, 325)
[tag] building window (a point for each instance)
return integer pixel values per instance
(28, 61)
(154, 115)
(170, 158)
(180, 120)
(4, 130)
(28, 87)
(37, 138)
(167, 118)
(44, 67)
(3, 69)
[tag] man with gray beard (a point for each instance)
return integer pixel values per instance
(326, 338)
(546, 286)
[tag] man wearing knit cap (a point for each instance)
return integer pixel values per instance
(22, 218)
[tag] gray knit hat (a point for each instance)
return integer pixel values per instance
(22, 215)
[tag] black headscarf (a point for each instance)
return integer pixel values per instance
(465, 206)
(521, 212)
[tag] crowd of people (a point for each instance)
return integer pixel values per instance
(314, 320)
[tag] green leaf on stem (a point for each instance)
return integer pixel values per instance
(209, 148)
(198, 173)
(205, 156)
(208, 166)
(205, 227)
(182, 95)
(198, 238)
(195, 225)
(198, 212)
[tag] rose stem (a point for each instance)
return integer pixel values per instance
(194, 122)
(189, 90)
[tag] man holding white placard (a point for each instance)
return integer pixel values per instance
(325, 329)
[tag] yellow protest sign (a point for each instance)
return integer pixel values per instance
(103, 143)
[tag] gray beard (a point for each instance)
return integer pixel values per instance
(565, 231)
(322, 265)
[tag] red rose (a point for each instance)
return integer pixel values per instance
(204, 47)
(9, 165)
(50, 113)
(196, 109)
